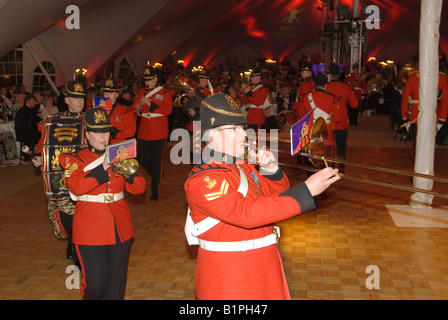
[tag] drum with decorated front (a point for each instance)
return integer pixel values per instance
(62, 134)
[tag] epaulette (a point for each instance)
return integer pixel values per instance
(74, 155)
(336, 98)
(69, 155)
(200, 168)
(329, 93)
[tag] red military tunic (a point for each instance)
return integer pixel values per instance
(124, 124)
(256, 98)
(211, 191)
(306, 86)
(410, 98)
(323, 101)
(154, 119)
(93, 222)
(347, 98)
(357, 83)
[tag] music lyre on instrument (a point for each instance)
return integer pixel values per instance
(122, 156)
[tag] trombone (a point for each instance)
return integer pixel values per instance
(318, 137)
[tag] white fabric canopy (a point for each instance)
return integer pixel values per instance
(201, 32)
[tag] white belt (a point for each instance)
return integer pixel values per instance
(240, 245)
(102, 198)
(252, 106)
(150, 115)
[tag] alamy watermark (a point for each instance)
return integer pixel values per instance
(373, 281)
(373, 19)
(73, 21)
(73, 280)
(190, 147)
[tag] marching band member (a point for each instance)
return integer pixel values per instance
(194, 103)
(154, 103)
(410, 102)
(346, 98)
(60, 206)
(102, 226)
(324, 105)
(307, 83)
(256, 96)
(233, 206)
(121, 117)
(357, 83)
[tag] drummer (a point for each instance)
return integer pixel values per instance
(61, 208)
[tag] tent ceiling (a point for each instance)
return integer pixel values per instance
(197, 31)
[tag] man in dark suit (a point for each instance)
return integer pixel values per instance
(26, 128)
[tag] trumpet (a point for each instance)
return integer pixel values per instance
(186, 90)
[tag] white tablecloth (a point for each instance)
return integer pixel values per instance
(9, 126)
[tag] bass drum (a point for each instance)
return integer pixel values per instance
(285, 119)
(62, 134)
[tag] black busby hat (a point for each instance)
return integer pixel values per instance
(255, 72)
(306, 66)
(97, 120)
(218, 110)
(204, 74)
(75, 89)
(149, 73)
(334, 69)
(320, 79)
(110, 86)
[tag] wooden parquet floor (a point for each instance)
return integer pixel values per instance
(325, 252)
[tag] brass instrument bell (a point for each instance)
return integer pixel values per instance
(182, 85)
(126, 167)
(318, 141)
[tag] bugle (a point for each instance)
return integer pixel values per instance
(126, 167)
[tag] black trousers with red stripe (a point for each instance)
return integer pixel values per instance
(340, 140)
(104, 270)
(150, 156)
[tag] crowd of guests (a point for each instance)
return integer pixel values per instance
(377, 86)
